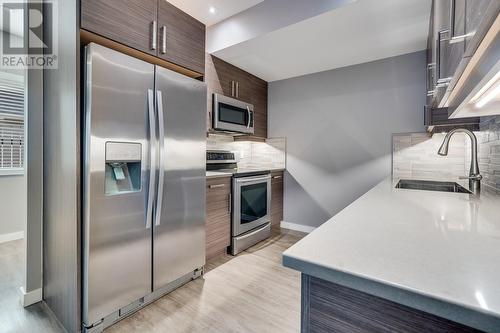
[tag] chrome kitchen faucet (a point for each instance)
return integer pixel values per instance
(474, 175)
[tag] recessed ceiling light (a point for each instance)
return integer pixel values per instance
(212, 10)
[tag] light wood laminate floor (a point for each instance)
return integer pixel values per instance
(13, 317)
(251, 292)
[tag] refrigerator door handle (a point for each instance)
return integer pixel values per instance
(152, 158)
(161, 173)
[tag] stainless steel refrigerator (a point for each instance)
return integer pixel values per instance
(143, 183)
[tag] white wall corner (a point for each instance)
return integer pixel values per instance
(11, 237)
(31, 297)
(297, 227)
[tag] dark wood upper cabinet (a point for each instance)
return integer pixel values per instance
(155, 27)
(454, 48)
(259, 99)
(128, 22)
(456, 28)
(224, 78)
(181, 38)
(475, 12)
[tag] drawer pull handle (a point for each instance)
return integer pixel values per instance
(217, 186)
(276, 177)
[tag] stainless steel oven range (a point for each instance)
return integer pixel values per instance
(251, 201)
(251, 220)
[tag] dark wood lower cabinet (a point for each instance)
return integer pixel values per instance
(276, 200)
(329, 307)
(218, 219)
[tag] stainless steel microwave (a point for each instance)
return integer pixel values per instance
(232, 115)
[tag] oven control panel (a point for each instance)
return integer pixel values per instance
(220, 156)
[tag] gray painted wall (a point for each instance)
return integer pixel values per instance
(12, 204)
(338, 126)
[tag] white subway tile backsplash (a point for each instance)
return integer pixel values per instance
(268, 155)
(419, 158)
(415, 155)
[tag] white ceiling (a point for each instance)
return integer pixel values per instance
(199, 9)
(363, 31)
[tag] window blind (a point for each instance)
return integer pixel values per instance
(11, 122)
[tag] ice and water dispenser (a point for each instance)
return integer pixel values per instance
(123, 167)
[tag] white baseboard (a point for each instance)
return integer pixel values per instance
(12, 236)
(30, 298)
(297, 227)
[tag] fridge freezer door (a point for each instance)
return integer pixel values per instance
(179, 228)
(117, 238)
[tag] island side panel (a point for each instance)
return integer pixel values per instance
(329, 307)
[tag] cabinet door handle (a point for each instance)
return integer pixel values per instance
(217, 186)
(441, 82)
(459, 38)
(164, 40)
(237, 89)
(154, 28)
(230, 202)
(430, 90)
(232, 89)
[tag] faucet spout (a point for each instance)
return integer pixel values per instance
(474, 175)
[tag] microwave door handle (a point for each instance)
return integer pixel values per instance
(152, 158)
(249, 115)
(161, 138)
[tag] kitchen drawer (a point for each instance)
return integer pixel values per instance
(218, 186)
(277, 177)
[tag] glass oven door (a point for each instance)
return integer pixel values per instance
(252, 203)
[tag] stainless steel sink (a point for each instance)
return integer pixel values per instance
(429, 185)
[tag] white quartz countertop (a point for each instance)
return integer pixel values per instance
(435, 251)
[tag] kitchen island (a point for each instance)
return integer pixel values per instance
(405, 261)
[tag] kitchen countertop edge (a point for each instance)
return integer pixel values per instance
(445, 309)
(307, 263)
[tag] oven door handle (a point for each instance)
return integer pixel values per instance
(254, 179)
